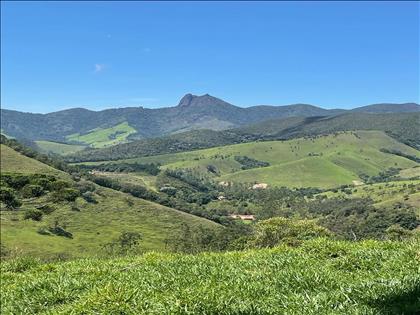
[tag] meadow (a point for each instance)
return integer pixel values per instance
(104, 137)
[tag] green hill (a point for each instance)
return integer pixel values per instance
(12, 161)
(324, 161)
(319, 277)
(92, 223)
(402, 126)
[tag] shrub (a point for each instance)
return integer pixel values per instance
(30, 191)
(397, 233)
(8, 197)
(43, 231)
(33, 214)
(60, 185)
(89, 197)
(272, 232)
(16, 181)
(46, 209)
(59, 231)
(84, 186)
(127, 241)
(68, 194)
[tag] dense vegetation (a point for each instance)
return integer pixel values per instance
(149, 168)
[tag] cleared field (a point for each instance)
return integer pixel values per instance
(58, 148)
(319, 277)
(324, 162)
(104, 137)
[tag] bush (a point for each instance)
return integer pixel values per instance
(84, 186)
(89, 197)
(272, 232)
(46, 209)
(43, 231)
(127, 241)
(60, 185)
(33, 214)
(8, 197)
(30, 191)
(59, 231)
(68, 194)
(16, 181)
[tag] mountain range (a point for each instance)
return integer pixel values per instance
(131, 123)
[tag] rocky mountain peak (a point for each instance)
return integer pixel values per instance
(195, 100)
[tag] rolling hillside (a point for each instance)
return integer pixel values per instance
(92, 224)
(403, 127)
(111, 126)
(325, 161)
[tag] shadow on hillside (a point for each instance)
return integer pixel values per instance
(405, 303)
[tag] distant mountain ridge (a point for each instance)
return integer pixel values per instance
(192, 112)
(401, 126)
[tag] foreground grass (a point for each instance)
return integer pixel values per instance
(320, 277)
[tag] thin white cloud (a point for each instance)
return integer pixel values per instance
(99, 67)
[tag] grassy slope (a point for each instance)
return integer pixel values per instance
(92, 227)
(320, 277)
(383, 194)
(100, 138)
(12, 161)
(58, 148)
(343, 158)
(410, 172)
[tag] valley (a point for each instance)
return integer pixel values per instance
(219, 211)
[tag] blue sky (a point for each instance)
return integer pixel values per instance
(115, 54)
